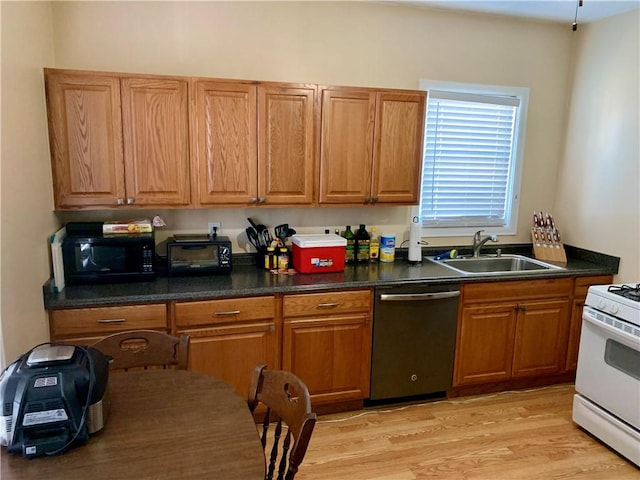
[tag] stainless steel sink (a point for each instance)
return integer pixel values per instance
(492, 264)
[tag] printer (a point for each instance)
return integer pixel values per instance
(53, 397)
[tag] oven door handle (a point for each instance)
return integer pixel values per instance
(627, 338)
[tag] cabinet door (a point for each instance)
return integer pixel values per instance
(224, 147)
(484, 348)
(286, 125)
(346, 154)
(156, 141)
(85, 129)
(541, 338)
(397, 157)
(331, 355)
(231, 352)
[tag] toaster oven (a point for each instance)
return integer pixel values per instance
(198, 254)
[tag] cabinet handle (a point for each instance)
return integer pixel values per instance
(262, 200)
(272, 328)
(327, 305)
(520, 308)
(367, 199)
(253, 200)
(131, 201)
(375, 199)
(230, 312)
(112, 320)
(120, 201)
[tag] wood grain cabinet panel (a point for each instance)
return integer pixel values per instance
(511, 330)
(156, 140)
(229, 337)
(371, 146)
(329, 348)
(85, 130)
(253, 144)
(541, 338)
(118, 140)
(346, 156)
(484, 350)
(101, 321)
(224, 149)
(286, 132)
(397, 159)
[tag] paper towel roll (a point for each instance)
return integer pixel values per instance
(415, 245)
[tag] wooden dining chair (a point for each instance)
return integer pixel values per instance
(287, 401)
(145, 348)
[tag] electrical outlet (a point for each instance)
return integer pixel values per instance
(215, 225)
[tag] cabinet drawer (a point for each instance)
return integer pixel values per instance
(518, 290)
(213, 312)
(328, 303)
(583, 284)
(105, 320)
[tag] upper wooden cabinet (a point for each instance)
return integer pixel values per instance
(117, 140)
(253, 144)
(371, 145)
(85, 130)
(156, 146)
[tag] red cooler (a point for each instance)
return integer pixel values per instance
(318, 253)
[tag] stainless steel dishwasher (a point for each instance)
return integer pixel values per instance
(414, 336)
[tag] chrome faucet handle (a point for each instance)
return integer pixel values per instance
(477, 236)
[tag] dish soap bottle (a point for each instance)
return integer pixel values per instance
(374, 245)
(350, 252)
(362, 244)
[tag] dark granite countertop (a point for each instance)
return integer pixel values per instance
(250, 280)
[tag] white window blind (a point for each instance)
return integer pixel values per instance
(468, 159)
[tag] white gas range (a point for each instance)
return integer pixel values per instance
(608, 376)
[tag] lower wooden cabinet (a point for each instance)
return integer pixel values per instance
(327, 343)
(230, 337)
(512, 330)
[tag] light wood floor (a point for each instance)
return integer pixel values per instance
(510, 436)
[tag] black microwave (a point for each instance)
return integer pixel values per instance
(113, 258)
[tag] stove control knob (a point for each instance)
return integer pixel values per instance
(602, 304)
(614, 308)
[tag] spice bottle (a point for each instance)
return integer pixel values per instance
(283, 259)
(270, 258)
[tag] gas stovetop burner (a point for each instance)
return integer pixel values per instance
(626, 291)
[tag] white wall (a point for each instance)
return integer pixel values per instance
(26, 192)
(336, 43)
(598, 200)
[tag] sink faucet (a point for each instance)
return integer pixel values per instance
(478, 242)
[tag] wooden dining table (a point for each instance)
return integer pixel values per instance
(162, 424)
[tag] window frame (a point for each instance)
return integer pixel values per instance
(517, 160)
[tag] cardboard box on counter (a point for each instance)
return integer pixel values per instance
(127, 227)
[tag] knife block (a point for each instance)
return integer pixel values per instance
(548, 251)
